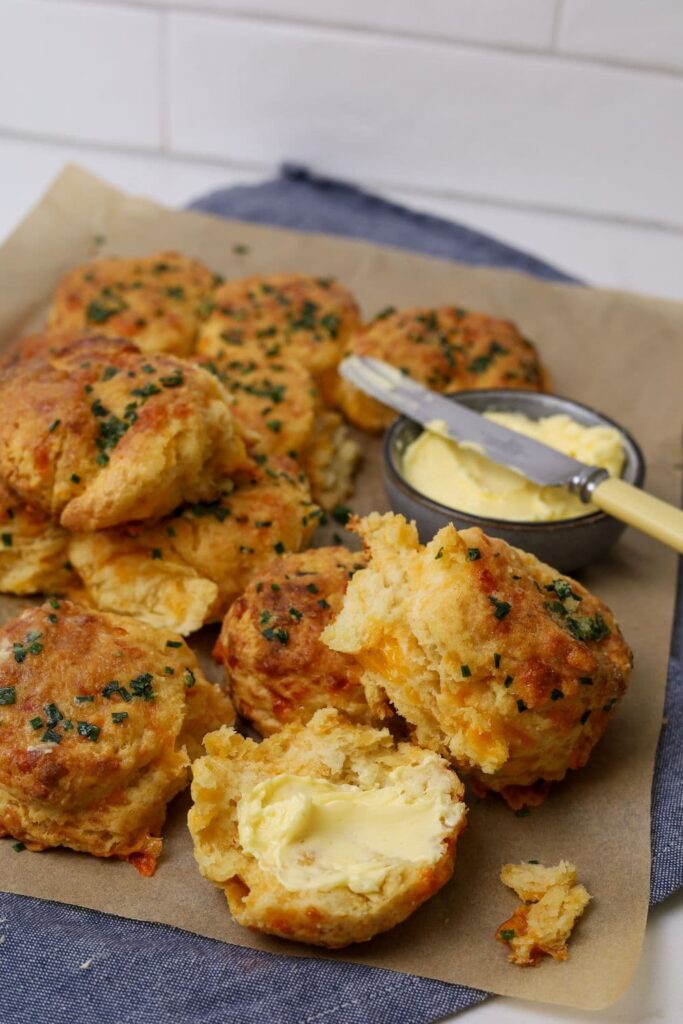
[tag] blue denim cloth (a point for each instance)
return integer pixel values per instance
(151, 974)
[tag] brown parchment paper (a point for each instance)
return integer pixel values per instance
(619, 352)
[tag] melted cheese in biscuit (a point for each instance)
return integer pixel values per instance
(462, 477)
(314, 834)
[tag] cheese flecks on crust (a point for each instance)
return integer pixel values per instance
(496, 660)
(542, 925)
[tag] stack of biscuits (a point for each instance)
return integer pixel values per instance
(169, 444)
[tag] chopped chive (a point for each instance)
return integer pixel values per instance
(509, 680)
(18, 847)
(88, 698)
(50, 736)
(585, 716)
(88, 731)
(296, 614)
(53, 426)
(312, 589)
(6, 540)
(496, 660)
(36, 723)
(438, 555)
(8, 695)
(586, 680)
(119, 716)
(465, 670)
(341, 514)
(521, 706)
(473, 554)
(189, 678)
(75, 478)
(174, 643)
(556, 695)
(156, 553)
(501, 607)
(323, 603)
(507, 934)
(279, 548)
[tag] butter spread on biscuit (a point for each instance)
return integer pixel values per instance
(460, 476)
(314, 834)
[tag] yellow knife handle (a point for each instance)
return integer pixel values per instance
(657, 518)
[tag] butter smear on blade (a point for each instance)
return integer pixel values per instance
(460, 476)
(314, 834)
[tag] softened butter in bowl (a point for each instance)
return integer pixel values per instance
(565, 543)
(460, 476)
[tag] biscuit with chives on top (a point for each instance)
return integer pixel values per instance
(100, 433)
(100, 717)
(494, 659)
(447, 349)
(157, 301)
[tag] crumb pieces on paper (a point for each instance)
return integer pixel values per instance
(553, 902)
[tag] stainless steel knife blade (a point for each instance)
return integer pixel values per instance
(537, 461)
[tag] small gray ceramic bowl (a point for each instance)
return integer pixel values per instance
(567, 544)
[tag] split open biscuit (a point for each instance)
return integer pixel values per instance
(100, 717)
(497, 661)
(325, 833)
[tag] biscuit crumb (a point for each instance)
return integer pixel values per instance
(553, 902)
(86, 965)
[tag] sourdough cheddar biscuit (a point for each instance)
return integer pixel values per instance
(287, 316)
(188, 569)
(495, 659)
(277, 669)
(448, 349)
(99, 434)
(326, 833)
(156, 301)
(96, 727)
(280, 412)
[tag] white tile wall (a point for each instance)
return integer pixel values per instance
(81, 70)
(524, 128)
(639, 32)
(515, 23)
(552, 123)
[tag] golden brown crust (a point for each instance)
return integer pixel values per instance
(156, 301)
(43, 343)
(448, 349)
(99, 433)
(329, 747)
(494, 658)
(280, 412)
(190, 567)
(287, 316)
(277, 669)
(91, 743)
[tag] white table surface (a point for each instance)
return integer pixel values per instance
(625, 259)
